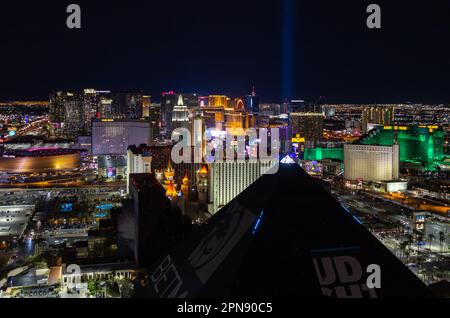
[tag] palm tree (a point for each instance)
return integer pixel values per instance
(441, 239)
(419, 238)
(403, 247)
(126, 287)
(407, 253)
(431, 238)
(399, 227)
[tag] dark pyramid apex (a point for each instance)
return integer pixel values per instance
(283, 237)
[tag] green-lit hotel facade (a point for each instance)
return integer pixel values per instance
(423, 145)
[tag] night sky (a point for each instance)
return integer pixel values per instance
(229, 46)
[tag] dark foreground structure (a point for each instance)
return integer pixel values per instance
(283, 237)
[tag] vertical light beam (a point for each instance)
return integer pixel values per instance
(287, 49)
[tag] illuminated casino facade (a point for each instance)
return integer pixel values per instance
(420, 145)
(318, 154)
(371, 163)
(39, 160)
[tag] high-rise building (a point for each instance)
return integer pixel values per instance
(218, 101)
(234, 120)
(270, 109)
(191, 100)
(214, 117)
(378, 115)
(202, 186)
(154, 116)
(104, 108)
(420, 146)
(96, 104)
(139, 160)
(223, 113)
(423, 145)
(371, 163)
(112, 137)
(146, 104)
(304, 106)
(308, 126)
(180, 114)
(252, 103)
(149, 205)
(127, 104)
(66, 110)
(71, 106)
(75, 111)
(74, 121)
(168, 102)
(229, 178)
(154, 112)
(90, 108)
(56, 107)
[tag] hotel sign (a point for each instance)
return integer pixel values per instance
(298, 140)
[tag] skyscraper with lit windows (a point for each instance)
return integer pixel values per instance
(127, 104)
(67, 113)
(180, 114)
(229, 178)
(378, 115)
(308, 126)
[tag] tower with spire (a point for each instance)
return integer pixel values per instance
(166, 178)
(185, 186)
(180, 114)
(252, 102)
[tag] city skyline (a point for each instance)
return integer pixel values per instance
(156, 98)
(190, 150)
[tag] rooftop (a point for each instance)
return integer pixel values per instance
(140, 180)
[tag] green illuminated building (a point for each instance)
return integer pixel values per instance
(318, 154)
(423, 145)
(418, 144)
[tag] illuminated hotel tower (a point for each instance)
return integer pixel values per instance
(229, 178)
(218, 101)
(371, 163)
(377, 115)
(309, 126)
(168, 101)
(146, 104)
(180, 114)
